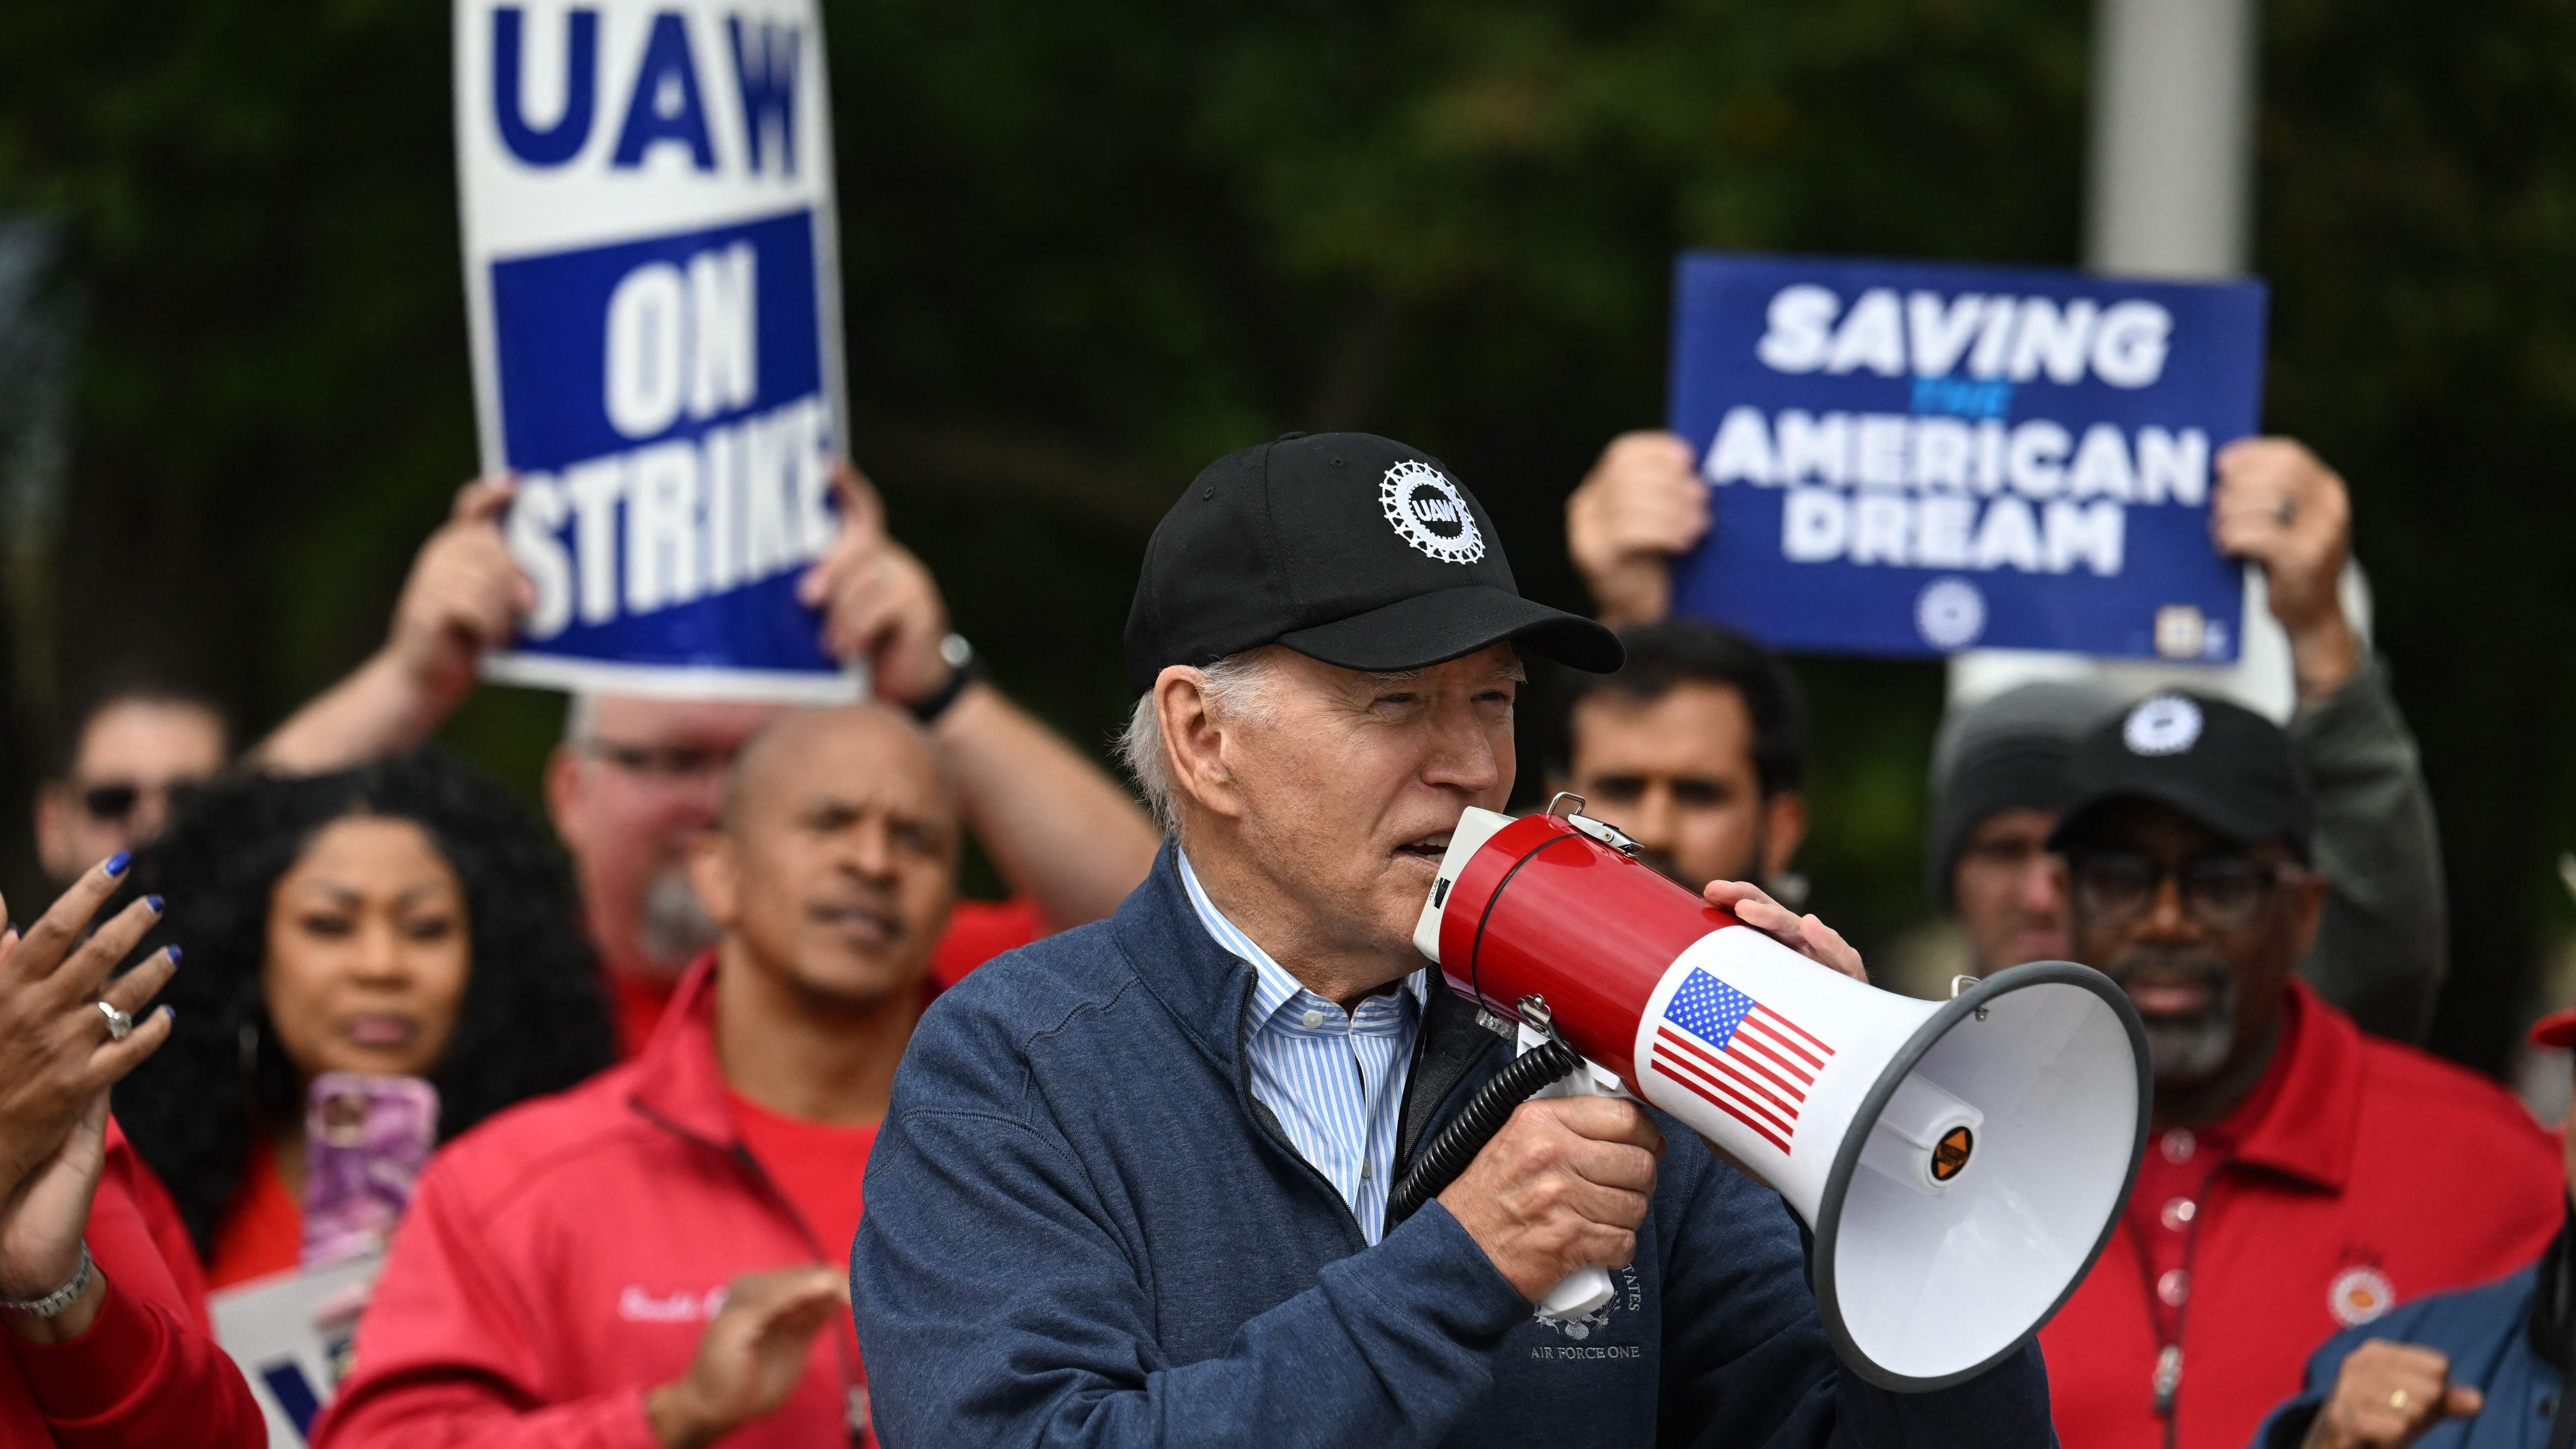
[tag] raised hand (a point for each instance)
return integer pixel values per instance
(60, 1048)
(64, 1052)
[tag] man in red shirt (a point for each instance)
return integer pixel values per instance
(2301, 1177)
(635, 780)
(656, 1257)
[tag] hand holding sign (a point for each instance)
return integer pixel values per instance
(879, 603)
(1641, 504)
(465, 595)
(2281, 506)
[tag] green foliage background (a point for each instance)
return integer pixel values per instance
(1089, 247)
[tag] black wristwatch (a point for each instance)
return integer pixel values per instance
(964, 668)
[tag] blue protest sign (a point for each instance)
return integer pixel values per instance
(650, 265)
(1914, 459)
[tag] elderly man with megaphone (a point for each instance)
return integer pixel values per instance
(1134, 1184)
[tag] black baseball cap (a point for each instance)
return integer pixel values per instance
(1345, 547)
(2220, 764)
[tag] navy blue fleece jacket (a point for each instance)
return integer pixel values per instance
(1082, 1229)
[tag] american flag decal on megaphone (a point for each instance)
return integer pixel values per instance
(1962, 1162)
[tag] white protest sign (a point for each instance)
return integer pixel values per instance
(652, 277)
(290, 1333)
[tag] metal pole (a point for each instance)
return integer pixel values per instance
(2172, 153)
(2170, 195)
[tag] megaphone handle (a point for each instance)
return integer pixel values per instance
(1581, 1293)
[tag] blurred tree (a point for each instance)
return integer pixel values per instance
(1088, 248)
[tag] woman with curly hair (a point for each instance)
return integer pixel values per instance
(400, 918)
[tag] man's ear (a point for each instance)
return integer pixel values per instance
(715, 875)
(1784, 828)
(1194, 742)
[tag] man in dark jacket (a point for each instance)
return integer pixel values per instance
(2482, 1368)
(1131, 1189)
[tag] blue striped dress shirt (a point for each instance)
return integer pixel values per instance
(1334, 1079)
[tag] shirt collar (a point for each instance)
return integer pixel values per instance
(2315, 1114)
(1274, 988)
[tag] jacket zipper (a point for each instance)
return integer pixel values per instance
(854, 1415)
(1262, 1118)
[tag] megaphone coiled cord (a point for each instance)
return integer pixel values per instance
(1468, 1132)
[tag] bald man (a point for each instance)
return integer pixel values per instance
(655, 1257)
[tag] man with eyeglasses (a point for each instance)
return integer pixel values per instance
(638, 780)
(2301, 1177)
(135, 743)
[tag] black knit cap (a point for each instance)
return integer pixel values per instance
(2009, 752)
(1345, 547)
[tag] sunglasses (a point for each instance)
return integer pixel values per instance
(114, 802)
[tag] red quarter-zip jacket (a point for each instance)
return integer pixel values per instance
(2372, 1175)
(566, 1255)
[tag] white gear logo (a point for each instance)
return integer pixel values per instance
(2165, 725)
(1429, 513)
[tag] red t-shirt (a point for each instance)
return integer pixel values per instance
(262, 1232)
(977, 932)
(821, 1168)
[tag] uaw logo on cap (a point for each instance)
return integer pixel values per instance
(2165, 725)
(1429, 512)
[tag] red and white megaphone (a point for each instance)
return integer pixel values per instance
(1961, 1162)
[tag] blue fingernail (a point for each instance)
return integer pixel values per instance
(116, 863)
(174, 955)
(170, 1014)
(154, 902)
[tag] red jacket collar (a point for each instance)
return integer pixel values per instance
(677, 1076)
(2315, 1115)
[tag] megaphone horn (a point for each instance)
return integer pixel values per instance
(1961, 1162)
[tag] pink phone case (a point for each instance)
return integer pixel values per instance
(366, 1139)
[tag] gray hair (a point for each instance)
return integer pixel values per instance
(1238, 685)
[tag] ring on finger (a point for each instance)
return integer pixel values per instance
(2398, 1400)
(120, 1023)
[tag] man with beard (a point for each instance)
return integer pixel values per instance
(635, 781)
(655, 1257)
(1696, 747)
(2300, 1177)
